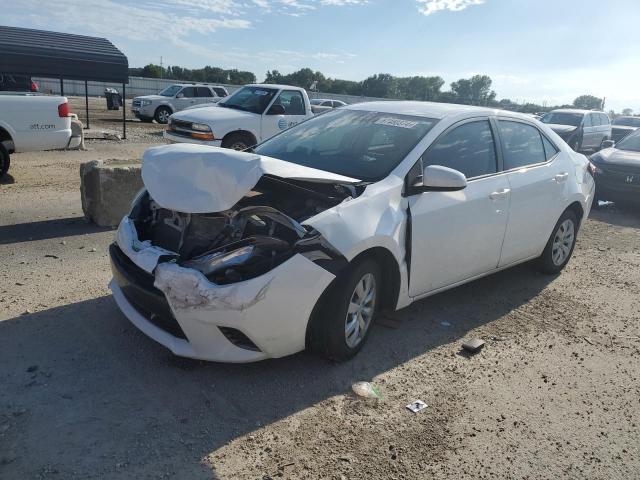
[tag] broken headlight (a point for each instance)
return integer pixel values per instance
(210, 263)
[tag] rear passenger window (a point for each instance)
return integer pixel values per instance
(468, 148)
(604, 119)
(204, 92)
(587, 121)
(549, 148)
(595, 119)
(521, 145)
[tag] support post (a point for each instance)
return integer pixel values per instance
(124, 112)
(86, 103)
(61, 87)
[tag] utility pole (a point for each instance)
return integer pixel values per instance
(161, 69)
(603, 100)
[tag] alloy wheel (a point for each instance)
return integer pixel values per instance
(563, 242)
(361, 310)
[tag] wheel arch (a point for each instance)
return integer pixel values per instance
(577, 208)
(243, 132)
(164, 105)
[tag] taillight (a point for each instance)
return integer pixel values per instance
(63, 109)
(34, 87)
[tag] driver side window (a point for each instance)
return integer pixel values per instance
(469, 148)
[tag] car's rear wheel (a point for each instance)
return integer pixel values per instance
(4, 160)
(560, 246)
(345, 318)
(237, 141)
(162, 114)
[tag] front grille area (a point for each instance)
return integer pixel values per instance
(137, 287)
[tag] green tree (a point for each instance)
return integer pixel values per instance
(151, 71)
(627, 112)
(381, 85)
(474, 91)
(588, 102)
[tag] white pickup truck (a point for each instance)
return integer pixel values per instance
(246, 118)
(31, 123)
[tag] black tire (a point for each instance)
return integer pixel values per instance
(237, 141)
(549, 262)
(5, 160)
(162, 115)
(330, 319)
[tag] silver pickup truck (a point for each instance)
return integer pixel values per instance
(173, 99)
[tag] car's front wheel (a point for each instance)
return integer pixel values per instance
(345, 318)
(162, 114)
(560, 246)
(4, 160)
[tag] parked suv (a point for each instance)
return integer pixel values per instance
(581, 129)
(623, 126)
(173, 99)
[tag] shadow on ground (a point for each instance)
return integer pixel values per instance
(7, 179)
(618, 215)
(45, 229)
(86, 395)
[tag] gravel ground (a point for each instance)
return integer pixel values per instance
(554, 394)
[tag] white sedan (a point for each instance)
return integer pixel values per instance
(241, 256)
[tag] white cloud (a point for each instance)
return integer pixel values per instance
(432, 6)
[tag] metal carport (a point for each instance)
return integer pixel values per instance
(24, 51)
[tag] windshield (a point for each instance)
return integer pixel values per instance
(358, 144)
(631, 142)
(170, 91)
(627, 121)
(562, 118)
(250, 99)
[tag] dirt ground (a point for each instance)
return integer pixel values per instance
(83, 394)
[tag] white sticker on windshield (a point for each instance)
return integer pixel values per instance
(396, 122)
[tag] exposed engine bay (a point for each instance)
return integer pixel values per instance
(260, 232)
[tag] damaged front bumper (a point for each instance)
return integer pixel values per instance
(180, 308)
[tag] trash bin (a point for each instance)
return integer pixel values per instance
(114, 99)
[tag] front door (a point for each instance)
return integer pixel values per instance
(185, 98)
(458, 235)
(294, 112)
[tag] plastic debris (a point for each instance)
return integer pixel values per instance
(366, 390)
(416, 406)
(445, 324)
(473, 346)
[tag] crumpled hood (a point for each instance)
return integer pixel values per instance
(201, 179)
(561, 128)
(211, 113)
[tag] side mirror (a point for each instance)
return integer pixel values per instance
(436, 178)
(276, 109)
(180, 95)
(608, 143)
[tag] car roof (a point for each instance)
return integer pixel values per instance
(574, 110)
(430, 109)
(195, 85)
(273, 85)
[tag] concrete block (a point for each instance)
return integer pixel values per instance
(107, 188)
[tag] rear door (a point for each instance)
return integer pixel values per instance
(458, 235)
(605, 128)
(538, 179)
(590, 135)
(204, 95)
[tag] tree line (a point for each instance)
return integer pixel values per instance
(468, 91)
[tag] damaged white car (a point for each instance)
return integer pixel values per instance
(241, 256)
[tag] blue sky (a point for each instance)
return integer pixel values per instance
(534, 50)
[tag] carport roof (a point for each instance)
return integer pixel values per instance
(53, 54)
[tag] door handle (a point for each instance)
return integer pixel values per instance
(561, 177)
(497, 195)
